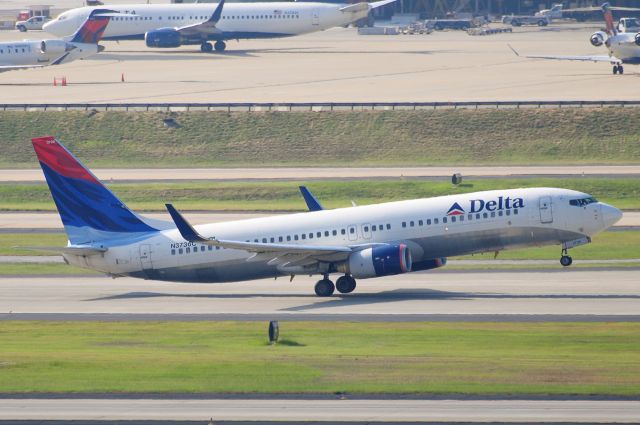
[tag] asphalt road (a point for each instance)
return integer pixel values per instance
(336, 65)
(558, 293)
(312, 173)
(568, 411)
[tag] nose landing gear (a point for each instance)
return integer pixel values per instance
(566, 260)
(618, 69)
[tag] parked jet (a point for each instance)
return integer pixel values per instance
(38, 53)
(358, 242)
(623, 47)
(174, 25)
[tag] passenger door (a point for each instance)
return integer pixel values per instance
(546, 210)
(145, 257)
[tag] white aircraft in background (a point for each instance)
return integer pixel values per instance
(622, 47)
(358, 242)
(39, 53)
(174, 25)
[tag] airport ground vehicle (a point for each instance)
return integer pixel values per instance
(453, 24)
(33, 23)
(357, 242)
(628, 25)
(519, 20)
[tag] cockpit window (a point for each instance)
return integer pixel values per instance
(582, 201)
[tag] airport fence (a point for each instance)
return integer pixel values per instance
(314, 106)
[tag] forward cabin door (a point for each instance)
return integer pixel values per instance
(315, 17)
(546, 212)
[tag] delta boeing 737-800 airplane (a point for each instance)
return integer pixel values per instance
(358, 242)
(174, 25)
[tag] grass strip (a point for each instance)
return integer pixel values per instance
(364, 138)
(43, 269)
(284, 196)
(617, 245)
(195, 357)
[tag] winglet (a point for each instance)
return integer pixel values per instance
(513, 50)
(186, 230)
(377, 4)
(217, 13)
(312, 203)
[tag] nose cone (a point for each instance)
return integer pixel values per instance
(610, 215)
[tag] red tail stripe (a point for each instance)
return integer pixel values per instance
(51, 153)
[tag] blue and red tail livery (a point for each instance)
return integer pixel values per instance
(89, 211)
(93, 28)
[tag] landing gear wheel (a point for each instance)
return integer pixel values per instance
(345, 284)
(566, 260)
(206, 47)
(615, 69)
(620, 69)
(220, 46)
(324, 288)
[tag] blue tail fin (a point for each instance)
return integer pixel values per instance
(89, 211)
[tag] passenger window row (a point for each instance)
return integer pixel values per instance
(204, 18)
(459, 218)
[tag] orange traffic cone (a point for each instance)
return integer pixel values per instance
(55, 82)
(64, 81)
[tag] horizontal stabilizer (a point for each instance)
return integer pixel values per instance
(84, 251)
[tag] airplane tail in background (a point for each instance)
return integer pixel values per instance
(89, 211)
(608, 19)
(93, 28)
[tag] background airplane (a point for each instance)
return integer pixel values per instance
(622, 47)
(174, 25)
(39, 53)
(357, 242)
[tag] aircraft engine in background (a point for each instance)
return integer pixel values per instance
(55, 46)
(163, 37)
(598, 38)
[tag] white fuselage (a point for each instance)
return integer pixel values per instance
(485, 221)
(238, 20)
(30, 52)
(623, 47)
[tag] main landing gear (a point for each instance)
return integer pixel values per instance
(565, 260)
(207, 47)
(325, 287)
(618, 69)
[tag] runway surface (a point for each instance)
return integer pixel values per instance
(613, 293)
(338, 66)
(311, 173)
(568, 411)
(38, 222)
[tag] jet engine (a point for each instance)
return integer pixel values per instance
(637, 39)
(378, 261)
(598, 38)
(163, 37)
(54, 46)
(428, 264)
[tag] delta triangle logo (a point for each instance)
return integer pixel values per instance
(455, 209)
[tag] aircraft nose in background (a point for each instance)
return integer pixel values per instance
(610, 215)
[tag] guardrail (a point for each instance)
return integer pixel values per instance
(315, 106)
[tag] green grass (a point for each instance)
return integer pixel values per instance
(491, 137)
(284, 196)
(10, 242)
(193, 357)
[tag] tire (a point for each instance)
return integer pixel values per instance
(620, 69)
(206, 47)
(615, 69)
(220, 46)
(345, 284)
(566, 260)
(324, 288)
(22, 28)
(542, 23)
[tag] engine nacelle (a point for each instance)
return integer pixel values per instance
(428, 264)
(637, 39)
(598, 38)
(54, 46)
(163, 37)
(378, 261)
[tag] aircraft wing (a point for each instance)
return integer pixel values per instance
(364, 6)
(588, 58)
(6, 68)
(206, 27)
(272, 252)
